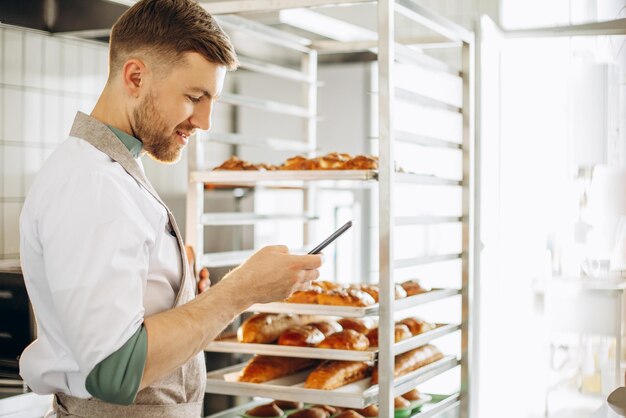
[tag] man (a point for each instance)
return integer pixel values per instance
(119, 331)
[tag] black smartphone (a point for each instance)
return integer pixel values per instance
(331, 238)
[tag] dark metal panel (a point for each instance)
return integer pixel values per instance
(76, 15)
(28, 13)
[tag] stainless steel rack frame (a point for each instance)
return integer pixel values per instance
(390, 53)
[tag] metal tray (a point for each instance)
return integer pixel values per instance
(231, 345)
(290, 388)
(350, 311)
(254, 176)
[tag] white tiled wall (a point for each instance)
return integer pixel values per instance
(44, 80)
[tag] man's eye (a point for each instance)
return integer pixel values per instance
(193, 99)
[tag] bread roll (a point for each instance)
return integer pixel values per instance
(417, 325)
(330, 409)
(362, 325)
(348, 339)
(349, 413)
(374, 291)
(310, 413)
(414, 287)
(264, 368)
(412, 395)
(288, 405)
(268, 410)
(412, 360)
(301, 336)
(305, 296)
(401, 332)
(362, 162)
(327, 327)
(335, 374)
(348, 297)
(400, 403)
(369, 411)
(399, 292)
(266, 328)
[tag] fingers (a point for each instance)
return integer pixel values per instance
(277, 248)
(311, 262)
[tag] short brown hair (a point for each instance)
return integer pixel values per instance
(166, 29)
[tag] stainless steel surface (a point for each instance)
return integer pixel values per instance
(441, 26)
(612, 27)
(243, 6)
(450, 402)
(259, 31)
(255, 177)
(266, 105)
(416, 261)
(419, 220)
(275, 70)
(231, 345)
(468, 238)
(423, 140)
(289, 388)
(279, 144)
(350, 311)
(242, 218)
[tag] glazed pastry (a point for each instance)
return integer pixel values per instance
(288, 405)
(327, 327)
(330, 409)
(301, 336)
(401, 403)
(326, 285)
(414, 287)
(362, 325)
(268, 410)
(305, 296)
(417, 325)
(348, 297)
(412, 395)
(334, 374)
(412, 360)
(266, 328)
(348, 339)
(401, 332)
(362, 162)
(264, 368)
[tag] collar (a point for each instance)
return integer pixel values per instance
(134, 145)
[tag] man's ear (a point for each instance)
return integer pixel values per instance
(134, 74)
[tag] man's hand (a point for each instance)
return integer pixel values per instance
(272, 274)
(203, 280)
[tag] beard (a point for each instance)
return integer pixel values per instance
(152, 130)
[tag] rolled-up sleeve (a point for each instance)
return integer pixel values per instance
(96, 254)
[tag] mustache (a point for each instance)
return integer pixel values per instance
(186, 127)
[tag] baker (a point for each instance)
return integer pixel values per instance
(120, 330)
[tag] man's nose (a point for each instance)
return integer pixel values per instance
(201, 117)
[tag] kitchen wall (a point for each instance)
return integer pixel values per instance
(44, 80)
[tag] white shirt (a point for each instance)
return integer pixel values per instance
(97, 257)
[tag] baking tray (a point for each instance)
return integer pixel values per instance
(351, 311)
(290, 388)
(254, 176)
(231, 345)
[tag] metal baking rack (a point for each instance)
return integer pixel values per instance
(444, 121)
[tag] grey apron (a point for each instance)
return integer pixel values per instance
(180, 393)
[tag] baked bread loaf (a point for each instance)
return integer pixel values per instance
(327, 327)
(412, 360)
(266, 328)
(412, 395)
(374, 290)
(414, 287)
(305, 296)
(400, 403)
(268, 410)
(326, 285)
(301, 336)
(349, 413)
(335, 374)
(288, 405)
(311, 413)
(330, 409)
(348, 297)
(362, 325)
(348, 339)
(362, 162)
(368, 411)
(264, 368)
(401, 332)
(417, 325)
